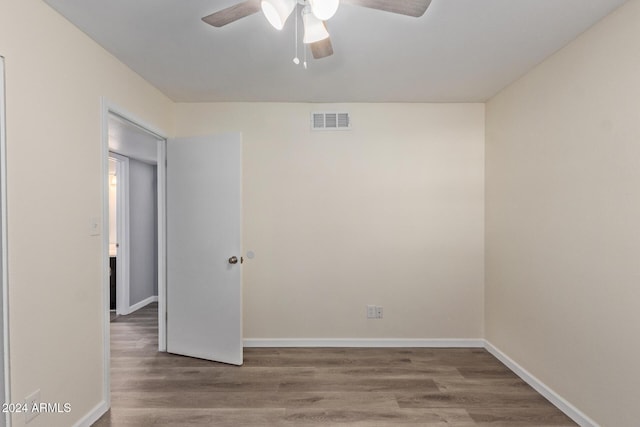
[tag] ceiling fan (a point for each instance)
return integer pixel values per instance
(315, 13)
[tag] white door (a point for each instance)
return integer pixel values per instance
(204, 214)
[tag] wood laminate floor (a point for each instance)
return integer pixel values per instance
(314, 386)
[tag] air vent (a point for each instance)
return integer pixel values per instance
(330, 121)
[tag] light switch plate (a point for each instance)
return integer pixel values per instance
(94, 226)
(371, 312)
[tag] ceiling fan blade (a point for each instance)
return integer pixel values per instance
(322, 49)
(415, 8)
(233, 13)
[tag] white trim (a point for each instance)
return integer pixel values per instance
(4, 243)
(571, 411)
(92, 416)
(137, 306)
(364, 342)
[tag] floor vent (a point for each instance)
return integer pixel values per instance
(330, 121)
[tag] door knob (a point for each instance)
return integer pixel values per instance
(233, 260)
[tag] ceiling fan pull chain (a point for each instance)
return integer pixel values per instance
(305, 57)
(296, 60)
(304, 48)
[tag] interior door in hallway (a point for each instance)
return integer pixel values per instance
(204, 217)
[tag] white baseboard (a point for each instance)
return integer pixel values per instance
(144, 302)
(571, 411)
(362, 342)
(93, 415)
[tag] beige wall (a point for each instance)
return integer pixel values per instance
(563, 207)
(390, 213)
(55, 77)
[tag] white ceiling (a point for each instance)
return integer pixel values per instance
(459, 51)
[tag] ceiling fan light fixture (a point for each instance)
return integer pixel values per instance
(277, 11)
(314, 29)
(324, 9)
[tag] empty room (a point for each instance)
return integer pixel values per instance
(365, 212)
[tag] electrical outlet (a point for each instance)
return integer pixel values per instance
(371, 312)
(33, 400)
(374, 312)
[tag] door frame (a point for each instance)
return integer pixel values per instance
(3, 242)
(109, 108)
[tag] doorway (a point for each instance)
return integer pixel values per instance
(135, 190)
(118, 126)
(133, 233)
(113, 237)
